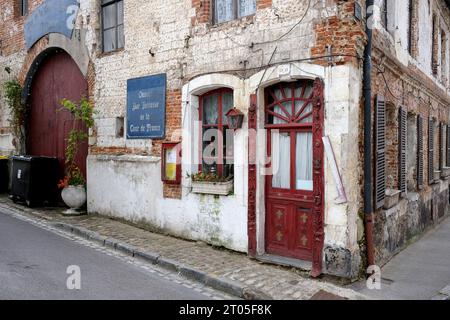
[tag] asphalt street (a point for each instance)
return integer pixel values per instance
(34, 265)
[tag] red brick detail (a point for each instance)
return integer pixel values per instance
(34, 52)
(343, 33)
(11, 29)
(263, 4)
(202, 11)
(173, 121)
(171, 191)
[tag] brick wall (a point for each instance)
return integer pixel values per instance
(340, 34)
(11, 25)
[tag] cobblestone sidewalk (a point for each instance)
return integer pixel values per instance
(268, 281)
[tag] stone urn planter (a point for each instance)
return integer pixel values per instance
(214, 188)
(74, 197)
(391, 199)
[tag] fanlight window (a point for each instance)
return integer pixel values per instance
(290, 104)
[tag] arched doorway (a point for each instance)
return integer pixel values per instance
(294, 188)
(57, 77)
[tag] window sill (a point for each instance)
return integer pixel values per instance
(392, 198)
(445, 173)
(250, 19)
(213, 188)
(102, 54)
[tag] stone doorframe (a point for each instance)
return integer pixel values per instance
(257, 149)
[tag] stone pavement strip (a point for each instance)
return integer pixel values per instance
(221, 269)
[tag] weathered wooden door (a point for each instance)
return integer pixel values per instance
(58, 77)
(294, 186)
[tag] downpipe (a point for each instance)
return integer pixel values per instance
(367, 92)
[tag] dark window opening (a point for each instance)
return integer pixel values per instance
(23, 7)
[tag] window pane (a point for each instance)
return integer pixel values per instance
(211, 109)
(298, 106)
(224, 10)
(246, 7)
(109, 16)
(120, 12)
(275, 120)
(109, 40)
(281, 160)
(227, 104)
(228, 144)
(210, 142)
(304, 161)
(120, 37)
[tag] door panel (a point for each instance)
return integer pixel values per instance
(302, 233)
(290, 189)
(278, 232)
(58, 77)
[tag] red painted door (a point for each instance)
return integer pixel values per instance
(290, 185)
(58, 77)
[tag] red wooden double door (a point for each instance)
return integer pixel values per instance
(58, 77)
(293, 181)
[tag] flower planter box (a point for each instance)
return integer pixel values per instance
(445, 172)
(214, 188)
(392, 198)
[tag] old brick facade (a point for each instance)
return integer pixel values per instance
(283, 40)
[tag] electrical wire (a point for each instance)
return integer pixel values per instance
(275, 64)
(274, 40)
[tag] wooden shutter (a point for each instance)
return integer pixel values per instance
(441, 145)
(380, 145)
(448, 146)
(402, 138)
(419, 152)
(430, 151)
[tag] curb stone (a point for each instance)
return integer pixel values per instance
(228, 286)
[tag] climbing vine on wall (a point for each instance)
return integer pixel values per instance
(13, 98)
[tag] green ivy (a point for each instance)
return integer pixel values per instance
(82, 111)
(13, 97)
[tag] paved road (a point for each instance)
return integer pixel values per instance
(421, 271)
(33, 265)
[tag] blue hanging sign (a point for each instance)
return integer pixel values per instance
(146, 107)
(52, 16)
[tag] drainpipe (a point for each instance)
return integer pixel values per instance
(368, 192)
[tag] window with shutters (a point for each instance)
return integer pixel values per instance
(431, 141)
(402, 143)
(112, 25)
(420, 160)
(441, 146)
(380, 156)
(227, 10)
(411, 153)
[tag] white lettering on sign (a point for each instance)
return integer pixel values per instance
(150, 105)
(136, 106)
(19, 174)
(134, 129)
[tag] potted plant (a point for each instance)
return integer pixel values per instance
(74, 184)
(211, 183)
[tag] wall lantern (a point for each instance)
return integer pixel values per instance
(171, 162)
(235, 119)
